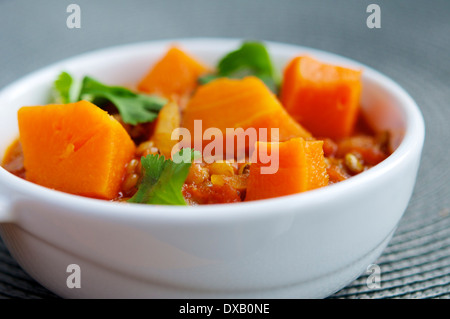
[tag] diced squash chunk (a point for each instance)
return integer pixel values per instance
(75, 148)
(287, 127)
(301, 167)
(174, 76)
(169, 119)
(323, 98)
(239, 103)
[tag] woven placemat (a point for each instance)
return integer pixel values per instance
(412, 47)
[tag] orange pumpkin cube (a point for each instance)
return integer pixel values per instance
(175, 76)
(240, 103)
(323, 98)
(300, 167)
(75, 148)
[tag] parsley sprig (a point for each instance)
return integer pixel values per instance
(134, 108)
(252, 58)
(163, 179)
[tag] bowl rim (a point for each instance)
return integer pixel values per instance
(412, 142)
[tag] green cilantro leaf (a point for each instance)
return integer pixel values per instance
(134, 108)
(163, 179)
(62, 87)
(251, 58)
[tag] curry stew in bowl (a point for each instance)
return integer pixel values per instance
(191, 134)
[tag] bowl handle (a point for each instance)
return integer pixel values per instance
(6, 211)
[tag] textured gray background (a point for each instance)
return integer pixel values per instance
(412, 47)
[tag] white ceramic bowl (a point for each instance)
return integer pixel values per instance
(305, 245)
